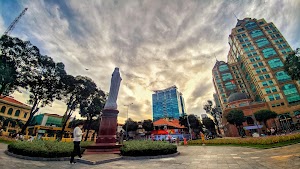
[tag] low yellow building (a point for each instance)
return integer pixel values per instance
(11, 108)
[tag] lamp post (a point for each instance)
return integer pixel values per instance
(127, 105)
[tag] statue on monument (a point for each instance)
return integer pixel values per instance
(111, 103)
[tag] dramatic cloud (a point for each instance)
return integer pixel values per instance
(155, 43)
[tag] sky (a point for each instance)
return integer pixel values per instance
(155, 43)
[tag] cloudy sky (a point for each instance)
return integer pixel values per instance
(155, 43)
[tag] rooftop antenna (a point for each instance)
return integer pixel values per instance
(235, 16)
(216, 58)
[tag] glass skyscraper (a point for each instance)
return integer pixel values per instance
(255, 66)
(167, 103)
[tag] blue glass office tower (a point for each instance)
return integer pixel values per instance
(167, 103)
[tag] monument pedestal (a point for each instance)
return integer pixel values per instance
(106, 141)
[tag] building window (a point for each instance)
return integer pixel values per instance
(256, 33)
(25, 115)
(226, 76)
(282, 76)
(10, 111)
(268, 52)
(250, 25)
(291, 93)
(17, 113)
(223, 68)
(271, 97)
(262, 42)
(3, 108)
(275, 63)
(230, 86)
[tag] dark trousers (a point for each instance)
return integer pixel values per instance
(76, 151)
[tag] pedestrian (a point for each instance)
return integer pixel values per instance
(77, 137)
(272, 131)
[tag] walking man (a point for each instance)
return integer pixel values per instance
(77, 136)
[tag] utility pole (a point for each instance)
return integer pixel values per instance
(127, 105)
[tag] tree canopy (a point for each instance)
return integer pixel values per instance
(131, 125)
(235, 117)
(209, 124)
(292, 64)
(264, 115)
(92, 107)
(148, 125)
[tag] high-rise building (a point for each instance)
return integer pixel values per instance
(167, 103)
(255, 67)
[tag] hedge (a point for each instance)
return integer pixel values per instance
(269, 140)
(40, 148)
(147, 148)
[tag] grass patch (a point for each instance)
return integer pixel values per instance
(40, 148)
(261, 142)
(147, 148)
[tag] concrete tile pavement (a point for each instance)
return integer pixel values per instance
(197, 157)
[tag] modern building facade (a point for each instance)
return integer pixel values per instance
(255, 67)
(168, 103)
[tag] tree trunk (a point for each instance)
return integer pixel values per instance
(88, 128)
(265, 121)
(34, 109)
(64, 124)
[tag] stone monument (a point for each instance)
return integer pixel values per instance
(106, 141)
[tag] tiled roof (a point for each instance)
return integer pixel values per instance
(164, 122)
(12, 100)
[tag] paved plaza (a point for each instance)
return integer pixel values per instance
(194, 157)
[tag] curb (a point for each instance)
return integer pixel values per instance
(150, 157)
(84, 161)
(36, 158)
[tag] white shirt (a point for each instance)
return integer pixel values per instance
(77, 134)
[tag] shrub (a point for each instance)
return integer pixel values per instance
(249, 141)
(147, 148)
(40, 148)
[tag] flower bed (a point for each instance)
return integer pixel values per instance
(6, 140)
(147, 148)
(270, 140)
(40, 148)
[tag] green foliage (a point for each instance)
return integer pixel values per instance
(292, 65)
(235, 117)
(148, 125)
(147, 148)
(264, 115)
(76, 90)
(209, 124)
(251, 141)
(39, 148)
(92, 107)
(130, 125)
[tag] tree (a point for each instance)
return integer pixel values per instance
(17, 59)
(130, 125)
(236, 117)
(194, 122)
(148, 125)
(213, 111)
(209, 124)
(92, 107)
(264, 115)
(44, 84)
(76, 90)
(292, 64)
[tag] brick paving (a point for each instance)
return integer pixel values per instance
(191, 157)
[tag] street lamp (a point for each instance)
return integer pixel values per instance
(127, 105)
